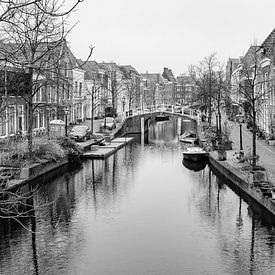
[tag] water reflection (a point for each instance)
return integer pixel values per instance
(163, 131)
(194, 165)
(141, 211)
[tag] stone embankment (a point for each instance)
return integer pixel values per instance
(45, 170)
(252, 183)
(259, 186)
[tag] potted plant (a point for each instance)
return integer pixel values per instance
(271, 139)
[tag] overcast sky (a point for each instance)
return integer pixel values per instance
(152, 34)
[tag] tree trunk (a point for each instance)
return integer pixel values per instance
(254, 132)
(30, 113)
(92, 113)
(114, 91)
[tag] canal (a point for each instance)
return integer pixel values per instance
(141, 211)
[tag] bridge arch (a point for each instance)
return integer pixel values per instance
(132, 124)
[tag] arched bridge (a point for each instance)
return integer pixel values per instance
(138, 121)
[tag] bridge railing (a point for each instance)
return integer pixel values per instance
(184, 110)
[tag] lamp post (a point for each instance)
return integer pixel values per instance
(66, 110)
(105, 114)
(217, 127)
(239, 119)
(92, 106)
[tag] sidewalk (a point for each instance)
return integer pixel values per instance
(265, 151)
(96, 126)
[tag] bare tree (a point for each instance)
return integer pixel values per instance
(32, 59)
(33, 43)
(8, 8)
(254, 87)
(112, 86)
(96, 99)
(132, 91)
(220, 93)
(204, 77)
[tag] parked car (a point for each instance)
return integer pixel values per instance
(169, 108)
(110, 123)
(80, 133)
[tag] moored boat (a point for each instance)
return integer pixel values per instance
(188, 137)
(195, 154)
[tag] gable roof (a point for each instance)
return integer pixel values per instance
(112, 66)
(269, 43)
(167, 74)
(152, 77)
(91, 68)
(46, 55)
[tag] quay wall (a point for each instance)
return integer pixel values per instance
(39, 173)
(244, 182)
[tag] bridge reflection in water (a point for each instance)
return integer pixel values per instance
(141, 211)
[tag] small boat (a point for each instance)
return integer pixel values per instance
(195, 154)
(161, 117)
(188, 137)
(194, 165)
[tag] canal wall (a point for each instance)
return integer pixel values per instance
(242, 180)
(39, 173)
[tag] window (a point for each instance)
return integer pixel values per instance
(43, 94)
(75, 87)
(2, 126)
(66, 69)
(49, 94)
(68, 92)
(20, 118)
(37, 95)
(41, 118)
(63, 91)
(80, 88)
(54, 93)
(11, 120)
(35, 119)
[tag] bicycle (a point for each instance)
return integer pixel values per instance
(238, 156)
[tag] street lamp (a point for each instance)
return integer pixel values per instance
(217, 128)
(66, 111)
(240, 120)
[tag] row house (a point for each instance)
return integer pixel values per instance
(266, 80)
(79, 102)
(109, 88)
(95, 82)
(152, 90)
(130, 98)
(12, 112)
(185, 90)
(170, 86)
(261, 73)
(242, 81)
(113, 87)
(233, 77)
(57, 92)
(61, 96)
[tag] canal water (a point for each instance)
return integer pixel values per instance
(141, 211)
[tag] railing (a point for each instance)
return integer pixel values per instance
(183, 110)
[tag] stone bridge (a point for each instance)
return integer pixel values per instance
(139, 123)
